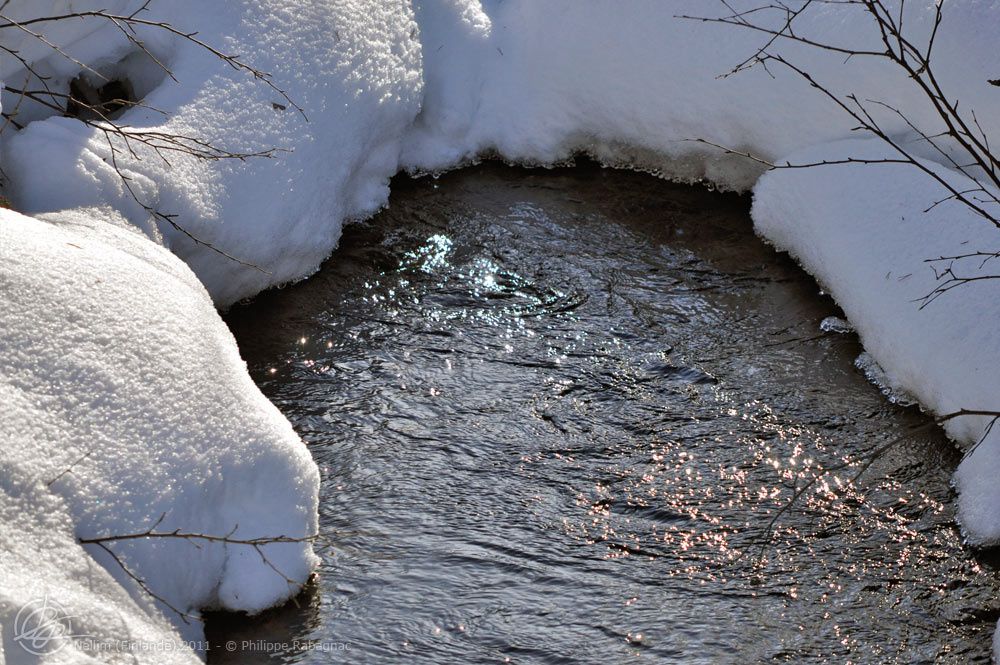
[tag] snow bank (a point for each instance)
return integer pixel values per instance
(865, 232)
(352, 66)
(533, 82)
(125, 400)
(632, 84)
(861, 230)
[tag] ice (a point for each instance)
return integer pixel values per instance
(835, 324)
(874, 373)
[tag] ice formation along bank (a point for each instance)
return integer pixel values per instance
(125, 398)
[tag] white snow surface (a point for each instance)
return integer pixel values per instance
(111, 346)
(633, 84)
(870, 251)
(352, 66)
(386, 85)
(37, 537)
(125, 400)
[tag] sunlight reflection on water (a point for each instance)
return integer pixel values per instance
(556, 413)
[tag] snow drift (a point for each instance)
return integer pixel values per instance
(633, 85)
(390, 85)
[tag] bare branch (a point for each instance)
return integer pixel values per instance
(258, 544)
(120, 138)
(967, 151)
(145, 587)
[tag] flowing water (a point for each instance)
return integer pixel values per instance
(555, 413)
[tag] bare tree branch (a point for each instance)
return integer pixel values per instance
(122, 139)
(258, 545)
(961, 142)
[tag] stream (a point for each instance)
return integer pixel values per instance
(555, 412)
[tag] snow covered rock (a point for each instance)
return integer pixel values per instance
(126, 401)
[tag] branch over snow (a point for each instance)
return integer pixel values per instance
(258, 545)
(123, 140)
(959, 140)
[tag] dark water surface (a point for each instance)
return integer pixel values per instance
(554, 413)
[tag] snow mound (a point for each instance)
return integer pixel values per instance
(354, 69)
(126, 405)
(870, 250)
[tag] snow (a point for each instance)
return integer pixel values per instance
(870, 251)
(70, 36)
(114, 415)
(387, 86)
(36, 535)
(538, 82)
(112, 346)
(352, 66)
